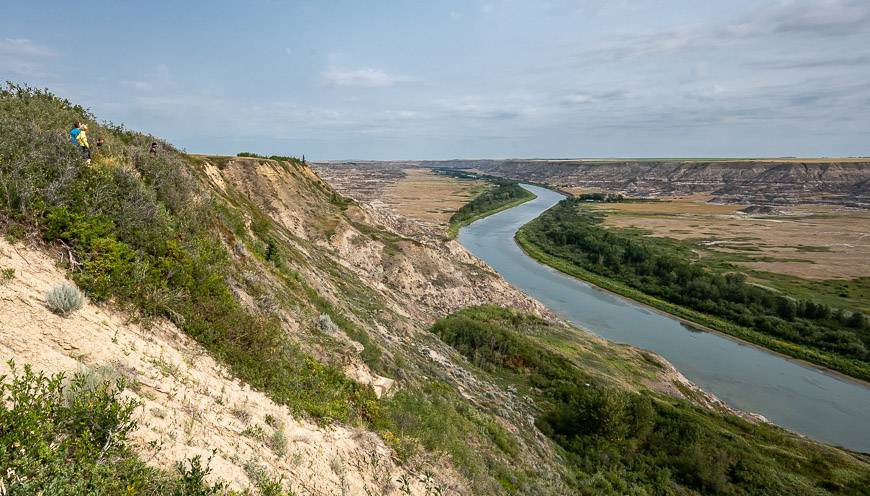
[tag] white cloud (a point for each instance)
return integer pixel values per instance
(813, 19)
(23, 57)
(364, 78)
(584, 97)
(140, 85)
(579, 98)
(402, 114)
(159, 78)
(23, 47)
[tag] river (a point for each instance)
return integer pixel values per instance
(802, 398)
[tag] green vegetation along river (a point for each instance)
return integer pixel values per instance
(802, 398)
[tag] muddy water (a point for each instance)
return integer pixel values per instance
(790, 394)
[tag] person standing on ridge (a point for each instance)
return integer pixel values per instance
(153, 150)
(74, 133)
(82, 139)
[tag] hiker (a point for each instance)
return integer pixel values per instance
(82, 140)
(74, 133)
(153, 150)
(100, 142)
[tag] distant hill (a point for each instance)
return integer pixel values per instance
(761, 181)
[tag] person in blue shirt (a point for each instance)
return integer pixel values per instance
(74, 133)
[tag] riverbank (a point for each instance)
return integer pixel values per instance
(845, 368)
(454, 228)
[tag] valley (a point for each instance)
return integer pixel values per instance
(487, 248)
(244, 326)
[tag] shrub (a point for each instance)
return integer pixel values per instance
(192, 481)
(64, 299)
(254, 432)
(69, 436)
(278, 442)
(326, 324)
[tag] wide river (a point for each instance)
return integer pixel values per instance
(799, 397)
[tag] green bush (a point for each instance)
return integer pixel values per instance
(620, 442)
(279, 158)
(70, 437)
(191, 475)
(278, 442)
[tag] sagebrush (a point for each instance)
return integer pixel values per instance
(64, 299)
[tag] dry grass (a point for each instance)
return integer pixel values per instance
(423, 195)
(808, 241)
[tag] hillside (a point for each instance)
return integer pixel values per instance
(295, 340)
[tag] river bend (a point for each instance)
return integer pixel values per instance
(800, 397)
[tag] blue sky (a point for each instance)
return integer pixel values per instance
(461, 79)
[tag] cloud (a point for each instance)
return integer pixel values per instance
(814, 62)
(23, 47)
(363, 78)
(825, 18)
(582, 98)
(475, 109)
(160, 78)
(23, 57)
(140, 85)
(402, 114)
(820, 102)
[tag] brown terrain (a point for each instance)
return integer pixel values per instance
(413, 192)
(809, 241)
(363, 181)
(424, 195)
(768, 181)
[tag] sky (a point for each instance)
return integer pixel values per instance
(403, 79)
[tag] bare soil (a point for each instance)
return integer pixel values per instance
(189, 404)
(433, 198)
